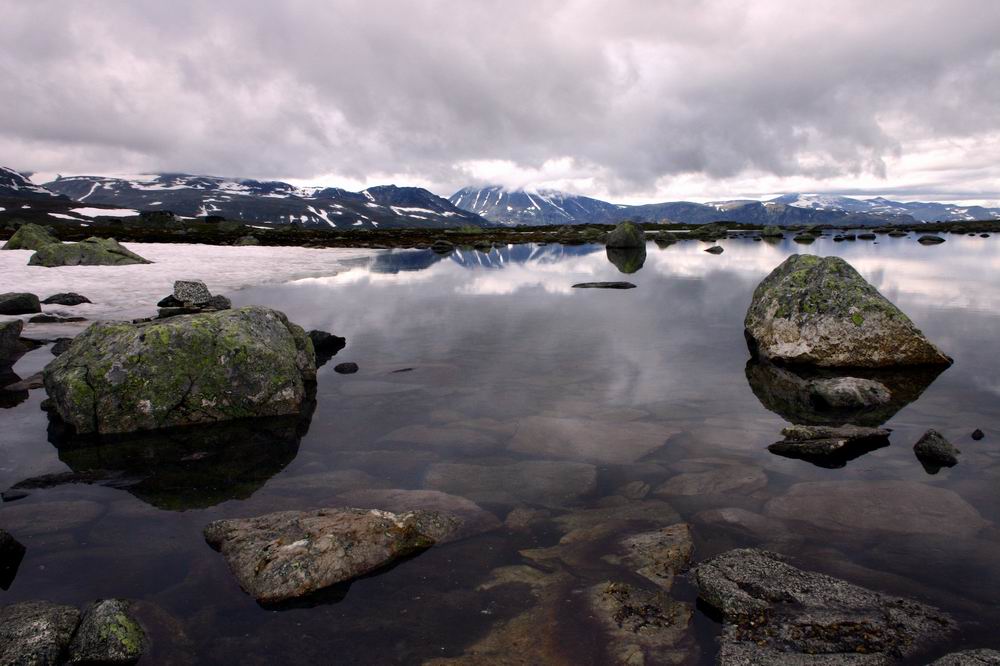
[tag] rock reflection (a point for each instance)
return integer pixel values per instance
(627, 260)
(193, 467)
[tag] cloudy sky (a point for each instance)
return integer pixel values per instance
(631, 100)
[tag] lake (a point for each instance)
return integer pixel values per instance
(486, 378)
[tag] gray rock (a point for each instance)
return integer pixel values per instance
(326, 343)
(658, 555)
(290, 554)
(60, 346)
(978, 434)
(850, 392)
(604, 285)
(11, 554)
(28, 384)
(969, 658)
(30, 237)
(769, 606)
(347, 368)
(67, 298)
(642, 626)
(192, 292)
(121, 377)
(10, 345)
(829, 446)
(820, 311)
(248, 240)
(467, 517)
(930, 240)
(664, 238)
(54, 318)
(108, 634)
(90, 252)
(626, 235)
(36, 633)
(715, 249)
(725, 480)
(537, 482)
(17, 303)
(934, 450)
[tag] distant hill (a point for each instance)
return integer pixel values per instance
(16, 185)
(269, 202)
(514, 207)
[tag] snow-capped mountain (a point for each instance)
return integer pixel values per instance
(534, 207)
(16, 185)
(919, 210)
(269, 202)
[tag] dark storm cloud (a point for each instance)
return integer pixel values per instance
(630, 92)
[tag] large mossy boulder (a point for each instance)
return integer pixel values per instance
(626, 235)
(93, 251)
(30, 237)
(120, 377)
(820, 311)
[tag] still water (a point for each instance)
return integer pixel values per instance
(487, 379)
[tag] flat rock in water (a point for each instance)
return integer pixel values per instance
(857, 509)
(588, 440)
(120, 377)
(18, 303)
(604, 285)
(775, 613)
(930, 240)
(715, 249)
(642, 626)
(835, 444)
(54, 318)
(345, 368)
(90, 252)
(68, 298)
(819, 311)
(36, 632)
(726, 480)
(548, 483)
(658, 555)
(290, 554)
(108, 634)
(933, 450)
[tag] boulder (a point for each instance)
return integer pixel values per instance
(191, 291)
(665, 238)
(30, 237)
(18, 303)
(710, 232)
(775, 613)
(289, 554)
(67, 298)
(772, 231)
(934, 451)
(90, 252)
(36, 632)
(10, 344)
(119, 377)
(108, 634)
(248, 240)
(820, 311)
(828, 446)
(626, 235)
(466, 517)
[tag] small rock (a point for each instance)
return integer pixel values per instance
(933, 450)
(642, 626)
(191, 291)
(36, 632)
(248, 240)
(346, 368)
(604, 285)
(978, 434)
(829, 446)
(67, 298)
(659, 555)
(772, 231)
(53, 318)
(17, 303)
(930, 240)
(867, 236)
(326, 343)
(108, 634)
(289, 554)
(715, 249)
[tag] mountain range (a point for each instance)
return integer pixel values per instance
(387, 206)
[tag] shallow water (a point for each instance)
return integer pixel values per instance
(493, 362)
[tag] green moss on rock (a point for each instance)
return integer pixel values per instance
(30, 237)
(90, 252)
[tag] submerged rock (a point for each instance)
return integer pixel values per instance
(934, 451)
(604, 285)
(658, 555)
(90, 252)
(67, 298)
(775, 613)
(828, 446)
(536, 481)
(850, 392)
(54, 318)
(120, 377)
(36, 632)
(820, 311)
(108, 634)
(626, 235)
(642, 626)
(18, 303)
(467, 517)
(30, 237)
(290, 554)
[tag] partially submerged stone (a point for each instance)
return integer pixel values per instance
(190, 297)
(36, 632)
(93, 251)
(773, 612)
(289, 554)
(18, 303)
(626, 235)
(120, 377)
(108, 634)
(715, 249)
(547, 483)
(933, 450)
(829, 446)
(930, 240)
(642, 626)
(66, 298)
(604, 285)
(30, 237)
(820, 311)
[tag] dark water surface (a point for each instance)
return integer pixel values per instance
(473, 368)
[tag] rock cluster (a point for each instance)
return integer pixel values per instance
(190, 297)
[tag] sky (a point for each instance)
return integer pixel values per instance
(631, 101)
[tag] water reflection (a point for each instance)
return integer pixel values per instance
(628, 260)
